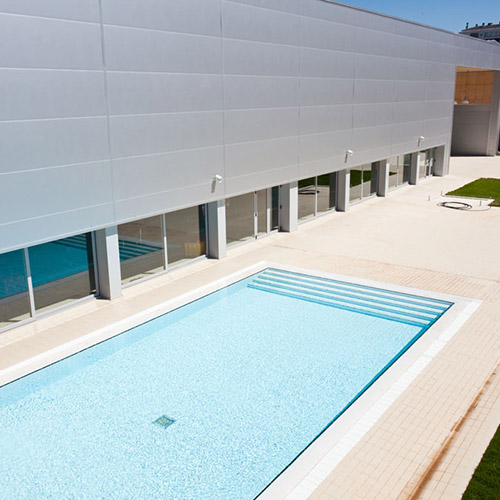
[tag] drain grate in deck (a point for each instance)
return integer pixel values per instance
(164, 421)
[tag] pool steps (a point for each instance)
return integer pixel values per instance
(394, 306)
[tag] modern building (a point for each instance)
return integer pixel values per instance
(137, 136)
(484, 31)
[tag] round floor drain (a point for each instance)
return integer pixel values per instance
(455, 205)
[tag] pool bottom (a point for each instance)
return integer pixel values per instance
(226, 379)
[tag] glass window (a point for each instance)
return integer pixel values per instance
(369, 181)
(326, 192)
(261, 197)
(406, 168)
(356, 184)
(422, 158)
(14, 297)
(186, 234)
(393, 172)
(275, 208)
(62, 271)
(240, 218)
(141, 248)
(307, 198)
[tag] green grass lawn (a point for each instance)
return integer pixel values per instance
(481, 188)
(485, 483)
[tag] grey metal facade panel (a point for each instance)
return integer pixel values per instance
(261, 156)
(142, 93)
(260, 180)
(53, 190)
(245, 22)
(242, 57)
(141, 50)
(76, 10)
(326, 63)
(318, 119)
(135, 135)
(155, 203)
(247, 92)
(261, 91)
(41, 94)
(35, 42)
(291, 6)
(326, 91)
(149, 175)
(201, 17)
(372, 115)
(34, 144)
(260, 124)
(326, 145)
(28, 232)
(470, 130)
(321, 34)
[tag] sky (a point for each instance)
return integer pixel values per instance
(447, 14)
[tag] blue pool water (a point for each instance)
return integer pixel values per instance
(249, 375)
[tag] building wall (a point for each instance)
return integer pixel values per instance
(120, 109)
(470, 130)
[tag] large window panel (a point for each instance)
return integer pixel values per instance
(186, 234)
(62, 271)
(14, 297)
(275, 208)
(240, 218)
(141, 245)
(406, 168)
(261, 202)
(356, 184)
(326, 192)
(307, 198)
(395, 175)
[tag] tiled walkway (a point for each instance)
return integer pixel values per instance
(421, 447)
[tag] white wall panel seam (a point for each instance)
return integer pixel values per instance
(108, 119)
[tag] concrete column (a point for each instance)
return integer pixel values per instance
(442, 161)
(382, 169)
(494, 128)
(289, 206)
(414, 166)
(343, 185)
(216, 234)
(108, 263)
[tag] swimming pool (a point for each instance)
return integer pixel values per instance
(212, 400)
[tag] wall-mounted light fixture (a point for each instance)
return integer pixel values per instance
(217, 178)
(465, 101)
(421, 139)
(348, 154)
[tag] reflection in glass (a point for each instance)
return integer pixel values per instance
(261, 211)
(326, 191)
(393, 172)
(14, 298)
(240, 218)
(62, 271)
(406, 168)
(369, 180)
(355, 184)
(307, 198)
(422, 158)
(186, 234)
(141, 248)
(275, 208)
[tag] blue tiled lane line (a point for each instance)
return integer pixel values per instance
(248, 379)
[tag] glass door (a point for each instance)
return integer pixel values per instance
(430, 159)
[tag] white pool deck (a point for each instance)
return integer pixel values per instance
(431, 435)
